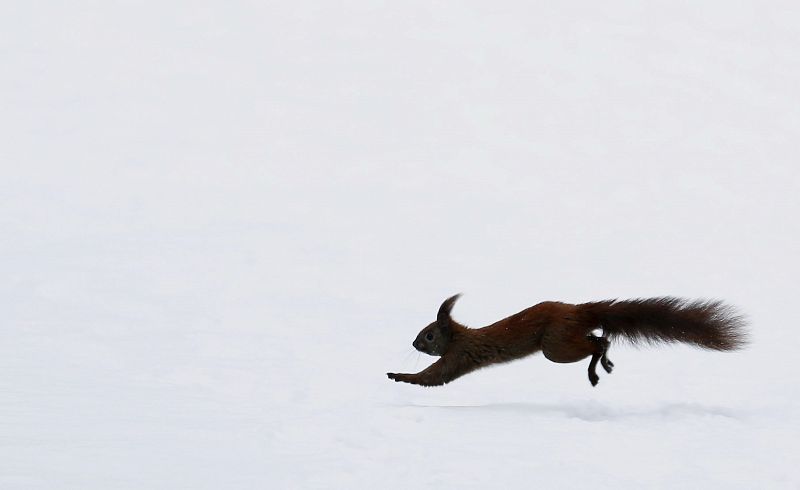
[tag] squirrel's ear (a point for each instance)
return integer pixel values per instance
(443, 318)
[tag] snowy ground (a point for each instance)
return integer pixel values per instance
(221, 223)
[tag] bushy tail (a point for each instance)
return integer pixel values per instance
(707, 324)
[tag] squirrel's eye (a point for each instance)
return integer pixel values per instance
(429, 337)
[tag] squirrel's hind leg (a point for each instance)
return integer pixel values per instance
(571, 343)
(603, 345)
(593, 377)
(600, 354)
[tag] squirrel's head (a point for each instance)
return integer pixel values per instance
(435, 338)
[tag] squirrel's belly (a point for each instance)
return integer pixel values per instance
(562, 344)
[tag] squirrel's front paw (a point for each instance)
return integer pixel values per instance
(394, 376)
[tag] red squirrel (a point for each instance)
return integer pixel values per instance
(564, 333)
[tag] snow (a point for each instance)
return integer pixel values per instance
(221, 224)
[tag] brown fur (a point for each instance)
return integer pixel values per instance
(563, 332)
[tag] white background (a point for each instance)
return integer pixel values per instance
(222, 223)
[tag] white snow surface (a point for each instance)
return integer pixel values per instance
(222, 223)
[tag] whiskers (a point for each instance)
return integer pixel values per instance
(408, 355)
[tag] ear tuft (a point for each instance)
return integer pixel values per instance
(443, 317)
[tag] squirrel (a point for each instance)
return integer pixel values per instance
(564, 333)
